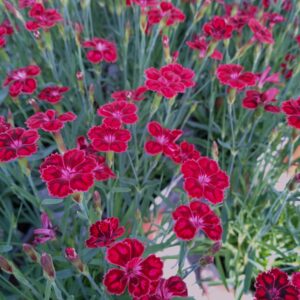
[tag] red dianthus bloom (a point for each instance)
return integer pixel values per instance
(254, 99)
(17, 143)
(169, 80)
(167, 12)
(106, 139)
(52, 94)
(218, 28)
(291, 108)
(190, 219)
(203, 178)
(128, 95)
(44, 18)
(117, 113)
(101, 50)
(21, 80)
(275, 284)
(260, 32)
(164, 139)
(68, 173)
(135, 272)
(104, 233)
(184, 152)
(49, 121)
(233, 75)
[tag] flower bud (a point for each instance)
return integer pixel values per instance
(47, 265)
(206, 260)
(5, 265)
(79, 75)
(31, 253)
(72, 256)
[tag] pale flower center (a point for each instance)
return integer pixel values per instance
(204, 179)
(162, 139)
(109, 138)
(117, 114)
(234, 75)
(101, 47)
(21, 75)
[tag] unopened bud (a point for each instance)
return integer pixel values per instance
(216, 247)
(5, 265)
(47, 265)
(206, 260)
(97, 202)
(72, 256)
(79, 75)
(31, 253)
(215, 151)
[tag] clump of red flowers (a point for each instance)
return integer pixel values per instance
(234, 76)
(104, 233)
(134, 272)
(195, 217)
(203, 178)
(102, 50)
(276, 284)
(43, 18)
(169, 80)
(21, 81)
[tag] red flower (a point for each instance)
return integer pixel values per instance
(264, 77)
(2, 36)
(104, 233)
(218, 28)
(238, 22)
(26, 3)
(117, 113)
(166, 289)
(68, 173)
(291, 108)
(101, 50)
(275, 284)
(102, 172)
(189, 220)
(167, 12)
(146, 3)
(82, 144)
(4, 126)
(296, 280)
(17, 143)
(48, 121)
(52, 94)
(260, 32)
(164, 139)
(199, 43)
(254, 99)
(204, 178)
(135, 272)
(22, 81)
(106, 139)
(7, 25)
(184, 152)
(234, 76)
(135, 95)
(44, 18)
(169, 80)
